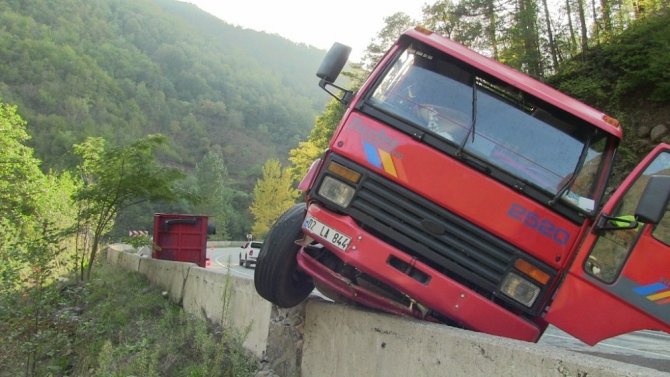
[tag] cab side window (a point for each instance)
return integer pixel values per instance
(662, 231)
(612, 248)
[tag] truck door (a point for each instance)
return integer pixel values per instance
(620, 279)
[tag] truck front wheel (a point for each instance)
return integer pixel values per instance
(277, 277)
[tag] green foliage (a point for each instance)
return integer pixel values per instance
(114, 178)
(394, 25)
(115, 325)
(34, 210)
(215, 199)
(632, 65)
(19, 169)
(302, 157)
(628, 78)
(120, 70)
(272, 196)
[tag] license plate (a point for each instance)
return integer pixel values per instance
(332, 236)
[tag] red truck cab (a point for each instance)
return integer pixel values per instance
(459, 190)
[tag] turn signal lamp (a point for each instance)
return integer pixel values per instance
(532, 271)
(423, 30)
(611, 120)
(344, 172)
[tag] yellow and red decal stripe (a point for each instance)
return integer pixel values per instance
(384, 160)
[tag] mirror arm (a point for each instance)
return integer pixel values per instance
(347, 94)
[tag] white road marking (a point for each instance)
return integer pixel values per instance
(604, 344)
(227, 267)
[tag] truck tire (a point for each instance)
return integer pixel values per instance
(277, 277)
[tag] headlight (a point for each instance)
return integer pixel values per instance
(336, 191)
(520, 289)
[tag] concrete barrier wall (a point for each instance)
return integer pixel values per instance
(169, 276)
(346, 341)
(227, 300)
(210, 294)
(113, 251)
(324, 339)
(128, 261)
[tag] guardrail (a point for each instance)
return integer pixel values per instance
(319, 338)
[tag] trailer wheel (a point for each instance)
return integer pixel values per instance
(277, 277)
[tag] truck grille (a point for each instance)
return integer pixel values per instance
(432, 234)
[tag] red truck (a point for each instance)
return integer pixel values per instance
(456, 189)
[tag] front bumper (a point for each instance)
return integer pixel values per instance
(438, 292)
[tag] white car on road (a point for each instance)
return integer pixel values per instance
(249, 253)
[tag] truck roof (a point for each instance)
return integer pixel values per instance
(518, 79)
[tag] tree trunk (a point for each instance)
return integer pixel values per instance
(573, 37)
(491, 29)
(550, 35)
(94, 252)
(596, 24)
(527, 24)
(582, 21)
(606, 13)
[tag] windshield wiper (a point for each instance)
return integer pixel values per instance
(459, 152)
(573, 177)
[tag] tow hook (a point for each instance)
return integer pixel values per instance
(304, 241)
(421, 308)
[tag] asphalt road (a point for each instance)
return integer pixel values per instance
(649, 349)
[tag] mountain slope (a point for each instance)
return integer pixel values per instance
(125, 68)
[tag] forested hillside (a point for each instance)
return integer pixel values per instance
(121, 69)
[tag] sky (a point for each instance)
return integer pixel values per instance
(318, 23)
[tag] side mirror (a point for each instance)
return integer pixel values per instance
(654, 200)
(330, 69)
(333, 62)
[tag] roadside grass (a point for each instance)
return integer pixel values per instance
(116, 324)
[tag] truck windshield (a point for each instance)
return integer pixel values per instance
(500, 125)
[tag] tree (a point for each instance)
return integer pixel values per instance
(441, 17)
(527, 35)
(115, 178)
(272, 196)
(606, 13)
(20, 178)
(573, 38)
(214, 198)
(550, 34)
(19, 169)
(478, 22)
(34, 210)
(394, 25)
(581, 12)
(317, 142)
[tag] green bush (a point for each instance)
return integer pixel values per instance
(116, 325)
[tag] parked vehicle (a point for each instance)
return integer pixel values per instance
(249, 253)
(459, 190)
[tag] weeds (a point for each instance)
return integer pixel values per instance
(116, 325)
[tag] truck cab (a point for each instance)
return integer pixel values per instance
(458, 190)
